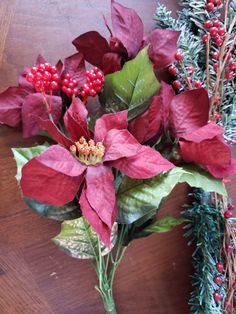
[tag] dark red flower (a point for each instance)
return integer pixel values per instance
(185, 117)
(81, 166)
(126, 42)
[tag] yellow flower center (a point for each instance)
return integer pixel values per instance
(88, 153)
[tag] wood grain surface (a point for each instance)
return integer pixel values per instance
(35, 277)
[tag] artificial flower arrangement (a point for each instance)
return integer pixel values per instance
(105, 172)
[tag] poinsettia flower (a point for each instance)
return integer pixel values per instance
(81, 166)
(23, 104)
(185, 117)
(128, 39)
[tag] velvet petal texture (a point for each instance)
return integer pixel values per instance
(11, 101)
(33, 107)
(145, 164)
(128, 27)
(75, 66)
(108, 122)
(52, 178)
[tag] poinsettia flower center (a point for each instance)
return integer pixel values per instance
(89, 153)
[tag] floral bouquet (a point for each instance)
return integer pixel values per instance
(105, 169)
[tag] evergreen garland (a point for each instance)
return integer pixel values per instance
(190, 22)
(206, 229)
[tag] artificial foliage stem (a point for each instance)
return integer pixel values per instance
(48, 106)
(106, 267)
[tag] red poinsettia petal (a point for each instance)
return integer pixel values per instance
(163, 46)
(59, 66)
(61, 160)
(93, 46)
(207, 152)
(117, 46)
(75, 120)
(57, 135)
(47, 185)
(223, 171)
(40, 59)
(148, 124)
(75, 66)
(111, 62)
(206, 132)
(10, 106)
(189, 111)
(146, 164)
(34, 107)
(118, 144)
(100, 192)
(165, 97)
(108, 122)
(128, 27)
(93, 219)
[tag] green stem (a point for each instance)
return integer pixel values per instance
(106, 267)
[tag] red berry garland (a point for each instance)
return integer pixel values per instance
(44, 77)
(94, 83)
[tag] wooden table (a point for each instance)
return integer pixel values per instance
(35, 277)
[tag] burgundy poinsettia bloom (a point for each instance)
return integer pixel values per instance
(185, 117)
(126, 40)
(81, 166)
(22, 105)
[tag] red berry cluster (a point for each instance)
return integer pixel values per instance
(44, 77)
(69, 85)
(94, 83)
(212, 4)
(216, 32)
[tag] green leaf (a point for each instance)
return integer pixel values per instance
(135, 198)
(23, 155)
(79, 240)
(130, 88)
(164, 224)
(67, 212)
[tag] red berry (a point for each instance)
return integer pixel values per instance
(34, 70)
(190, 69)
(83, 93)
(229, 75)
(38, 84)
(92, 92)
(218, 280)
(204, 38)
(65, 82)
(67, 76)
(172, 70)
(98, 88)
(71, 85)
(208, 24)
(216, 55)
(210, 1)
(53, 70)
(41, 67)
(229, 248)
(210, 7)
(220, 267)
(213, 31)
(69, 91)
(232, 65)
(218, 3)
(56, 77)
(219, 42)
(97, 82)
(30, 77)
(221, 31)
(53, 85)
(215, 66)
(216, 100)
(46, 84)
(99, 75)
(86, 88)
(179, 55)
(75, 82)
(46, 76)
(47, 66)
(217, 297)
(176, 84)
(38, 76)
(75, 91)
(217, 116)
(198, 84)
(64, 88)
(216, 23)
(228, 214)
(96, 69)
(92, 76)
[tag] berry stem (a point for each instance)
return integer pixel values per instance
(48, 108)
(207, 62)
(190, 86)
